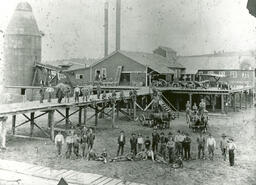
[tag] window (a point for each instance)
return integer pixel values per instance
(79, 76)
(233, 74)
(200, 72)
(97, 75)
(245, 74)
(210, 72)
(222, 73)
(61, 76)
(104, 72)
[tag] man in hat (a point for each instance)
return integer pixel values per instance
(41, 92)
(59, 141)
(163, 142)
(170, 147)
(121, 143)
(186, 145)
(77, 92)
(211, 145)
(133, 142)
(223, 146)
(202, 106)
(179, 138)
(231, 149)
(201, 145)
(70, 143)
(155, 140)
(147, 143)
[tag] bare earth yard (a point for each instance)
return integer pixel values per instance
(241, 126)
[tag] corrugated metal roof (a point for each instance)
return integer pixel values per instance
(195, 63)
(156, 62)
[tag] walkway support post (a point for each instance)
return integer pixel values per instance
(51, 123)
(32, 123)
(85, 114)
(13, 124)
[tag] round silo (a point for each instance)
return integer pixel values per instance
(22, 46)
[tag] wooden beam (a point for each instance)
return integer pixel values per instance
(190, 99)
(240, 101)
(234, 102)
(45, 133)
(32, 123)
(117, 109)
(222, 103)
(125, 114)
(96, 115)
(85, 114)
(134, 110)
(246, 100)
(113, 115)
(80, 116)
(67, 117)
(51, 123)
(13, 124)
(34, 77)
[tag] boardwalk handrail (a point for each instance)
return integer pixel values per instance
(169, 104)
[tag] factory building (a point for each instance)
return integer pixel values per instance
(22, 46)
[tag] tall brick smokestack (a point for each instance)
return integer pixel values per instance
(118, 24)
(106, 29)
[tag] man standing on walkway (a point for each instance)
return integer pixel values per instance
(59, 141)
(41, 93)
(231, 149)
(223, 146)
(49, 91)
(211, 144)
(155, 141)
(77, 92)
(121, 143)
(201, 145)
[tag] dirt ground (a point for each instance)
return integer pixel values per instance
(240, 126)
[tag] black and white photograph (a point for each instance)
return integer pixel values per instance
(127, 92)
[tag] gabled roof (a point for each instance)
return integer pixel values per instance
(155, 62)
(195, 63)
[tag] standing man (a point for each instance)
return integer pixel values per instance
(211, 144)
(76, 145)
(121, 143)
(77, 92)
(223, 146)
(187, 142)
(50, 90)
(202, 106)
(90, 139)
(67, 92)
(147, 143)
(179, 138)
(70, 142)
(59, 141)
(84, 141)
(155, 141)
(59, 94)
(171, 147)
(231, 149)
(133, 142)
(194, 108)
(163, 142)
(201, 144)
(140, 142)
(98, 91)
(41, 93)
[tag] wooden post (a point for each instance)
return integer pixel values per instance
(51, 123)
(213, 102)
(234, 102)
(13, 124)
(250, 99)
(3, 132)
(85, 114)
(190, 99)
(222, 103)
(134, 110)
(67, 117)
(113, 115)
(80, 116)
(96, 115)
(240, 101)
(32, 123)
(178, 103)
(246, 99)
(117, 109)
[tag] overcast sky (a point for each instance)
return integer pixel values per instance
(74, 28)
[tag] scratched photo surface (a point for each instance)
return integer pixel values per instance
(127, 92)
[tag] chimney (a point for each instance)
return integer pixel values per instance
(118, 24)
(106, 29)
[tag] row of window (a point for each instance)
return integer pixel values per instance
(102, 73)
(232, 74)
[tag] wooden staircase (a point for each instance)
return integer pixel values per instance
(167, 106)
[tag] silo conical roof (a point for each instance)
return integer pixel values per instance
(23, 21)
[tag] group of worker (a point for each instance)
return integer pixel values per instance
(195, 112)
(168, 149)
(65, 92)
